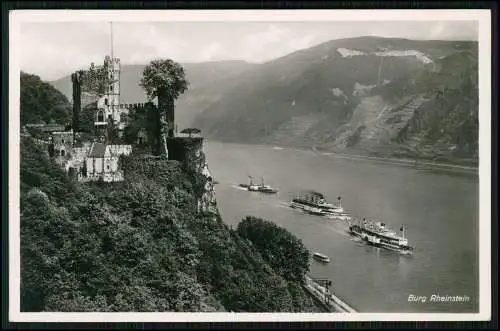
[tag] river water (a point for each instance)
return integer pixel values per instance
(440, 210)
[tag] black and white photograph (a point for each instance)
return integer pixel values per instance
(249, 165)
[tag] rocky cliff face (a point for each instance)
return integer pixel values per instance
(207, 203)
(189, 151)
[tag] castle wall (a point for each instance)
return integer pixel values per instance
(94, 165)
(62, 138)
(107, 167)
(185, 149)
(81, 153)
(110, 165)
(63, 145)
(113, 177)
(89, 163)
(119, 149)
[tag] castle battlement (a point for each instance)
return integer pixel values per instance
(108, 58)
(131, 105)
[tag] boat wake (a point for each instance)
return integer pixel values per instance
(340, 230)
(283, 204)
(239, 187)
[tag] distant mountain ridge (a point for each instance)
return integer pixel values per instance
(367, 95)
(345, 95)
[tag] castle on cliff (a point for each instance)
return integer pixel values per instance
(109, 107)
(97, 158)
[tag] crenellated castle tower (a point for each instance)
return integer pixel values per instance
(108, 106)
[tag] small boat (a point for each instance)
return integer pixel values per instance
(379, 235)
(263, 188)
(321, 257)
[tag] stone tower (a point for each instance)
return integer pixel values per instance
(109, 104)
(109, 109)
(113, 87)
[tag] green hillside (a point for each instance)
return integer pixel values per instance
(41, 102)
(137, 245)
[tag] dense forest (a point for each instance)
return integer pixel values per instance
(140, 245)
(41, 102)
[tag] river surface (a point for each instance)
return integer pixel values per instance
(440, 210)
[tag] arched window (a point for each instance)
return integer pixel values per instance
(62, 140)
(100, 116)
(63, 152)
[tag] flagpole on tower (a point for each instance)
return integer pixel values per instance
(111, 38)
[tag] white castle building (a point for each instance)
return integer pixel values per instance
(108, 106)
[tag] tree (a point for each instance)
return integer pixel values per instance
(40, 102)
(284, 252)
(166, 80)
(144, 119)
(87, 118)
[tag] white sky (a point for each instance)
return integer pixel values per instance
(54, 49)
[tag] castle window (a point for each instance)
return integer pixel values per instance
(106, 101)
(62, 140)
(62, 152)
(100, 116)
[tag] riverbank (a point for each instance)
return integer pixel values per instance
(392, 160)
(327, 299)
(462, 166)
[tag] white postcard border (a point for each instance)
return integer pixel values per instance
(482, 16)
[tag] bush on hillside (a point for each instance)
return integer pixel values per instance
(41, 102)
(284, 252)
(137, 245)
